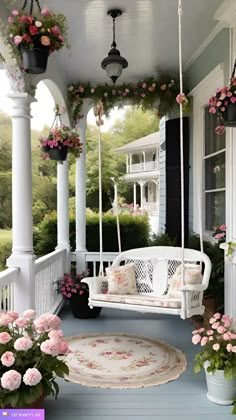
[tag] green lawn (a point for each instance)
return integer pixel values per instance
(5, 236)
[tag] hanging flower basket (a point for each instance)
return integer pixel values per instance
(60, 140)
(36, 36)
(223, 104)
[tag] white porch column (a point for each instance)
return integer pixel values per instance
(127, 163)
(63, 222)
(135, 195)
(80, 200)
(144, 161)
(22, 225)
(130, 162)
(141, 183)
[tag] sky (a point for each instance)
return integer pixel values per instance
(43, 110)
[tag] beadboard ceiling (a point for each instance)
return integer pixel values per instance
(146, 34)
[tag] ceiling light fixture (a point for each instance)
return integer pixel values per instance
(114, 63)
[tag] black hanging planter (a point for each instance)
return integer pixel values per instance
(230, 116)
(35, 60)
(80, 309)
(58, 154)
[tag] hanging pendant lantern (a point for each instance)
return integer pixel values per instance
(114, 63)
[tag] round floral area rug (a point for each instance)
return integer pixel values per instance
(116, 360)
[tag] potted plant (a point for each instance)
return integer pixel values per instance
(36, 36)
(59, 142)
(30, 350)
(77, 293)
(223, 104)
(217, 358)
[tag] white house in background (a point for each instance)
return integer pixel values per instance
(142, 171)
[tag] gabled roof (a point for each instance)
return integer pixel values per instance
(147, 142)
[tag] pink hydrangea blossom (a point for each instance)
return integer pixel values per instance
(21, 322)
(11, 380)
(50, 347)
(4, 338)
(32, 377)
(29, 314)
(6, 319)
(23, 344)
(56, 334)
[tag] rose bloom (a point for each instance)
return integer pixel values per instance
(63, 347)
(23, 344)
(17, 39)
(38, 24)
(11, 380)
(6, 319)
(216, 346)
(45, 40)
(196, 339)
(21, 322)
(29, 314)
(55, 334)
(45, 12)
(32, 377)
(15, 12)
(8, 359)
(4, 338)
(50, 347)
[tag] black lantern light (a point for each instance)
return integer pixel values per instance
(114, 62)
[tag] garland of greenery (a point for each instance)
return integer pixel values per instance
(149, 93)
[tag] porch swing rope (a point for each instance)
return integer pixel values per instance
(101, 268)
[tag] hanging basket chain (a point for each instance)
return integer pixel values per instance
(57, 118)
(234, 69)
(31, 5)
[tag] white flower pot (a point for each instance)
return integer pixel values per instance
(220, 390)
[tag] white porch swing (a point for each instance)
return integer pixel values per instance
(168, 280)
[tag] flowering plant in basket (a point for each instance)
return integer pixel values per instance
(61, 138)
(44, 28)
(71, 285)
(219, 346)
(29, 350)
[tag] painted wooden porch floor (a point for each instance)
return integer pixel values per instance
(182, 399)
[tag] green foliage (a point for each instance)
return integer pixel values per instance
(161, 240)
(134, 233)
(150, 93)
(5, 252)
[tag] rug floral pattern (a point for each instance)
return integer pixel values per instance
(116, 360)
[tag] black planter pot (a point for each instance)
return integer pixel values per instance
(35, 60)
(80, 309)
(58, 154)
(230, 116)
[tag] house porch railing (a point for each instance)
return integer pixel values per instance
(92, 260)
(142, 167)
(7, 279)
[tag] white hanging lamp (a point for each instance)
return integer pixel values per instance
(114, 63)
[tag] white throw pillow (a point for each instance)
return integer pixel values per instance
(121, 280)
(192, 275)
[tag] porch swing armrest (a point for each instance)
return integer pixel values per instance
(193, 287)
(95, 284)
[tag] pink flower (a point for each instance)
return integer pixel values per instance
(234, 349)
(55, 30)
(45, 12)
(143, 95)
(17, 39)
(229, 347)
(181, 99)
(212, 110)
(63, 347)
(215, 325)
(212, 320)
(196, 339)
(55, 334)
(216, 346)
(29, 314)
(144, 85)
(21, 322)
(32, 377)
(4, 338)
(219, 235)
(224, 228)
(220, 129)
(33, 30)
(8, 359)
(26, 38)
(221, 329)
(210, 332)
(201, 330)
(45, 40)
(163, 87)
(50, 347)
(11, 380)
(6, 319)
(23, 344)
(233, 99)
(204, 340)
(10, 19)
(15, 12)
(226, 336)
(217, 315)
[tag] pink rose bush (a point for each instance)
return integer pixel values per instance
(219, 102)
(45, 29)
(61, 138)
(31, 357)
(219, 346)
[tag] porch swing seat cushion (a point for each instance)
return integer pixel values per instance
(140, 299)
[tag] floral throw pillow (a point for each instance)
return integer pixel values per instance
(121, 280)
(192, 275)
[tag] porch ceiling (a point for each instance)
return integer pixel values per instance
(147, 35)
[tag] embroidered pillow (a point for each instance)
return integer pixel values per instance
(192, 275)
(121, 280)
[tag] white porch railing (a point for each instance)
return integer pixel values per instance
(151, 207)
(48, 269)
(93, 259)
(7, 279)
(142, 167)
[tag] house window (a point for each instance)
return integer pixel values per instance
(214, 169)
